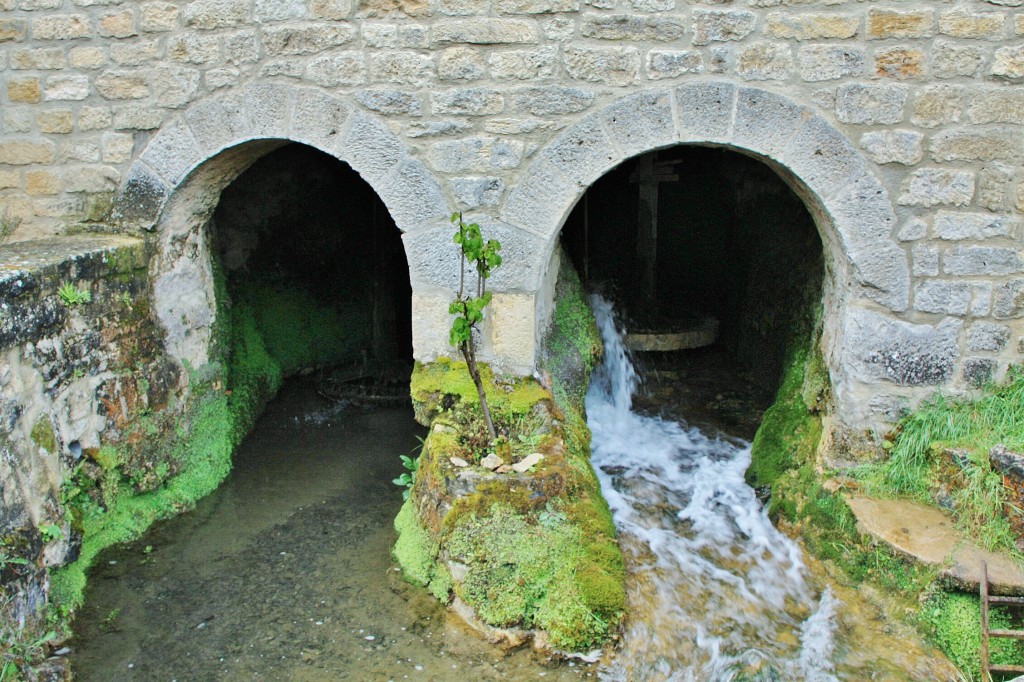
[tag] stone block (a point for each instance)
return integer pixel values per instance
(942, 296)
(893, 146)
(369, 145)
(548, 100)
(994, 182)
(9, 179)
(583, 153)
(812, 26)
(618, 66)
(705, 111)
(194, 49)
(218, 123)
(960, 23)
(41, 59)
(117, 25)
(970, 144)
(414, 37)
(174, 86)
(765, 61)
(900, 63)
(456, 8)
(461, 64)
(141, 199)
(632, 27)
(118, 85)
(913, 229)
(402, 68)
(467, 102)
(1018, 24)
(1009, 300)
(137, 117)
(210, 14)
(66, 87)
(938, 106)
(87, 57)
(826, 161)
(990, 261)
(953, 225)
(1008, 64)
(559, 29)
(981, 299)
(270, 109)
(641, 122)
(86, 152)
(882, 348)
(870, 104)
(391, 102)
(242, 47)
(346, 68)
(475, 154)
(448, 127)
(887, 23)
(173, 152)
(652, 5)
(377, 8)
(26, 151)
(27, 90)
(92, 179)
(12, 30)
(56, 121)
(536, 6)
(996, 105)
(94, 118)
(715, 25)
(331, 9)
(61, 27)
(430, 324)
(514, 332)
(520, 126)
(117, 147)
(525, 65)
(933, 186)
(135, 53)
(485, 32)
(987, 336)
(42, 183)
(882, 274)
(158, 17)
(672, 63)
(320, 120)
(830, 62)
(279, 10)
(952, 60)
(305, 38)
(541, 199)
(476, 192)
(227, 77)
(766, 122)
(18, 119)
(979, 371)
(413, 197)
(925, 258)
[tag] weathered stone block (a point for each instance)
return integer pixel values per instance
(982, 261)
(43, 59)
(714, 25)
(881, 348)
(42, 183)
(474, 192)
(86, 152)
(468, 102)
(117, 85)
(173, 152)
(938, 106)
(61, 27)
(632, 27)
(870, 104)
(447, 127)
(137, 117)
(413, 197)
(618, 66)
(94, 118)
(1009, 300)
(194, 49)
(485, 31)
(942, 296)
(996, 105)
(215, 79)
(823, 158)
(954, 225)
(117, 147)
(893, 146)
(403, 68)
(1008, 64)
(279, 10)
(545, 100)
(994, 182)
(270, 108)
(339, 68)
(979, 371)
(536, 6)
(900, 63)
(22, 152)
(158, 17)
(24, 90)
(652, 5)
(812, 26)
(391, 102)
(951, 60)
(525, 65)
(995, 144)
(925, 258)
(12, 30)
(886, 23)
(306, 38)
(135, 53)
(961, 23)
(641, 122)
(705, 110)
(92, 179)
(932, 186)
(829, 62)
(117, 25)
(174, 86)
(765, 122)
(56, 121)
(583, 153)
(369, 146)
(461, 64)
(218, 123)
(87, 57)
(475, 154)
(331, 9)
(765, 61)
(209, 14)
(538, 202)
(242, 47)
(672, 63)
(982, 336)
(417, 36)
(67, 87)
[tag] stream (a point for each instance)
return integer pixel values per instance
(284, 573)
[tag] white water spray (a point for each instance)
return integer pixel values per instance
(715, 592)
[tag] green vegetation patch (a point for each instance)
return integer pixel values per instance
(954, 621)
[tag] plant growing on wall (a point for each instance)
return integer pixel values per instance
(468, 307)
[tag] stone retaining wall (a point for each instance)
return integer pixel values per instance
(899, 123)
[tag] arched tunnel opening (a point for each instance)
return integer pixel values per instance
(716, 266)
(313, 265)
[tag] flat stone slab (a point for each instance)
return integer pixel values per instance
(930, 536)
(33, 256)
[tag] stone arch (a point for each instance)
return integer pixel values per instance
(175, 183)
(865, 265)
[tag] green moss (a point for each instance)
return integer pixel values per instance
(43, 435)
(445, 384)
(955, 622)
(416, 549)
(108, 458)
(441, 583)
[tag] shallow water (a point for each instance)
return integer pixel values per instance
(284, 573)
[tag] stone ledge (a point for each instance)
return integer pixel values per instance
(38, 256)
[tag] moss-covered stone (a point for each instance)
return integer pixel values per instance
(43, 435)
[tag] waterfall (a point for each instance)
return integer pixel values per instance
(715, 591)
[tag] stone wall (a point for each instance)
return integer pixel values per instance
(898, 123)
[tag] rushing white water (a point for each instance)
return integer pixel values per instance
(715, 591)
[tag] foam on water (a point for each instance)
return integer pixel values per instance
(714, 589)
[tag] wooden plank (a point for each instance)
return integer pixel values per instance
(1009, 634)
(996, 599)
(983, 589)
(1006, 668)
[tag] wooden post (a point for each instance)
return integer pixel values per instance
(983, 589)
